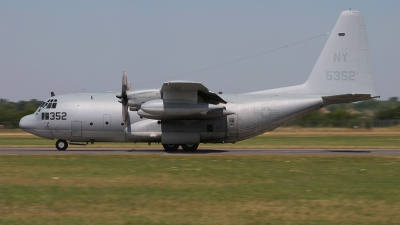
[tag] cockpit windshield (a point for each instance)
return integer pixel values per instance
(50, 104)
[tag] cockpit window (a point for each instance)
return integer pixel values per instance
(50, 104)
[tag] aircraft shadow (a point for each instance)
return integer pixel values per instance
(110, 150)
(350, 151)
(198, 151)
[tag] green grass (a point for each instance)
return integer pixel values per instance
(347, 140)
(190, 189)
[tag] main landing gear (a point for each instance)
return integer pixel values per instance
(186, 147)
(190, 147)
(61, 145)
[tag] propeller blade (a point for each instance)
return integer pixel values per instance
(124, 112)
(123, 96)
(124, 83)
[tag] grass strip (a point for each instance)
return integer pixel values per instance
(112, 189)
(345, 141)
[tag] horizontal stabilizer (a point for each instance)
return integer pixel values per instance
(346, 98)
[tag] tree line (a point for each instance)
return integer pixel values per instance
(362, 114)
(366, 114)
(12, 112)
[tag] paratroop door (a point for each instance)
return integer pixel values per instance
(76, 128)
(232, 126)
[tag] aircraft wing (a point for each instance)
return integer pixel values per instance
(184, 100)
(187, 90)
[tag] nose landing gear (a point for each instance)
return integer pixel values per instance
(61, 145)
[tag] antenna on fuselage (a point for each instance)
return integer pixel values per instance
(52, 94)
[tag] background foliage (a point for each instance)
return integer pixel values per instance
(364, 114)
(11, 113)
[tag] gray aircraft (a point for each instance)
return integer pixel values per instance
(185, 114)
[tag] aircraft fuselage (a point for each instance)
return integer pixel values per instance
(96, 117)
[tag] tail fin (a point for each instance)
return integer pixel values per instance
(344, 65)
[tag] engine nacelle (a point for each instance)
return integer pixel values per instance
(144, 131)
(137, 98)
(177, 107)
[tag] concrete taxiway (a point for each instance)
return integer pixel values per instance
(200, 151)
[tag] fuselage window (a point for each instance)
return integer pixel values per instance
(49, 105)
(231, 121)
(41, 105)
(45, 116)
(45, 104)
(54, 105)
(210, 128)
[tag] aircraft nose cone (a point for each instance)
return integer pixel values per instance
(28, 123)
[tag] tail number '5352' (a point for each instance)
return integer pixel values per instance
(340, 75)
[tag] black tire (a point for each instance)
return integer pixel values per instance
(190, 147)
(61, 145)
(170, 148)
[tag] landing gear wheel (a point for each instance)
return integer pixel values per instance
(171, 148)
(190, 147)
(61, 145)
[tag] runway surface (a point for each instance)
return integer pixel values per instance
(158, 151)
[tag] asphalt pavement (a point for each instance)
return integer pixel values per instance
(201, 151)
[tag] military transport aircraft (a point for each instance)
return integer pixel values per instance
(185, 114)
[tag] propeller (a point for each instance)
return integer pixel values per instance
(123, 96)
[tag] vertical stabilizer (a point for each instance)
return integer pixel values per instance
(344, 65)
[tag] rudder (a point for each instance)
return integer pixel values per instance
(344, 65)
